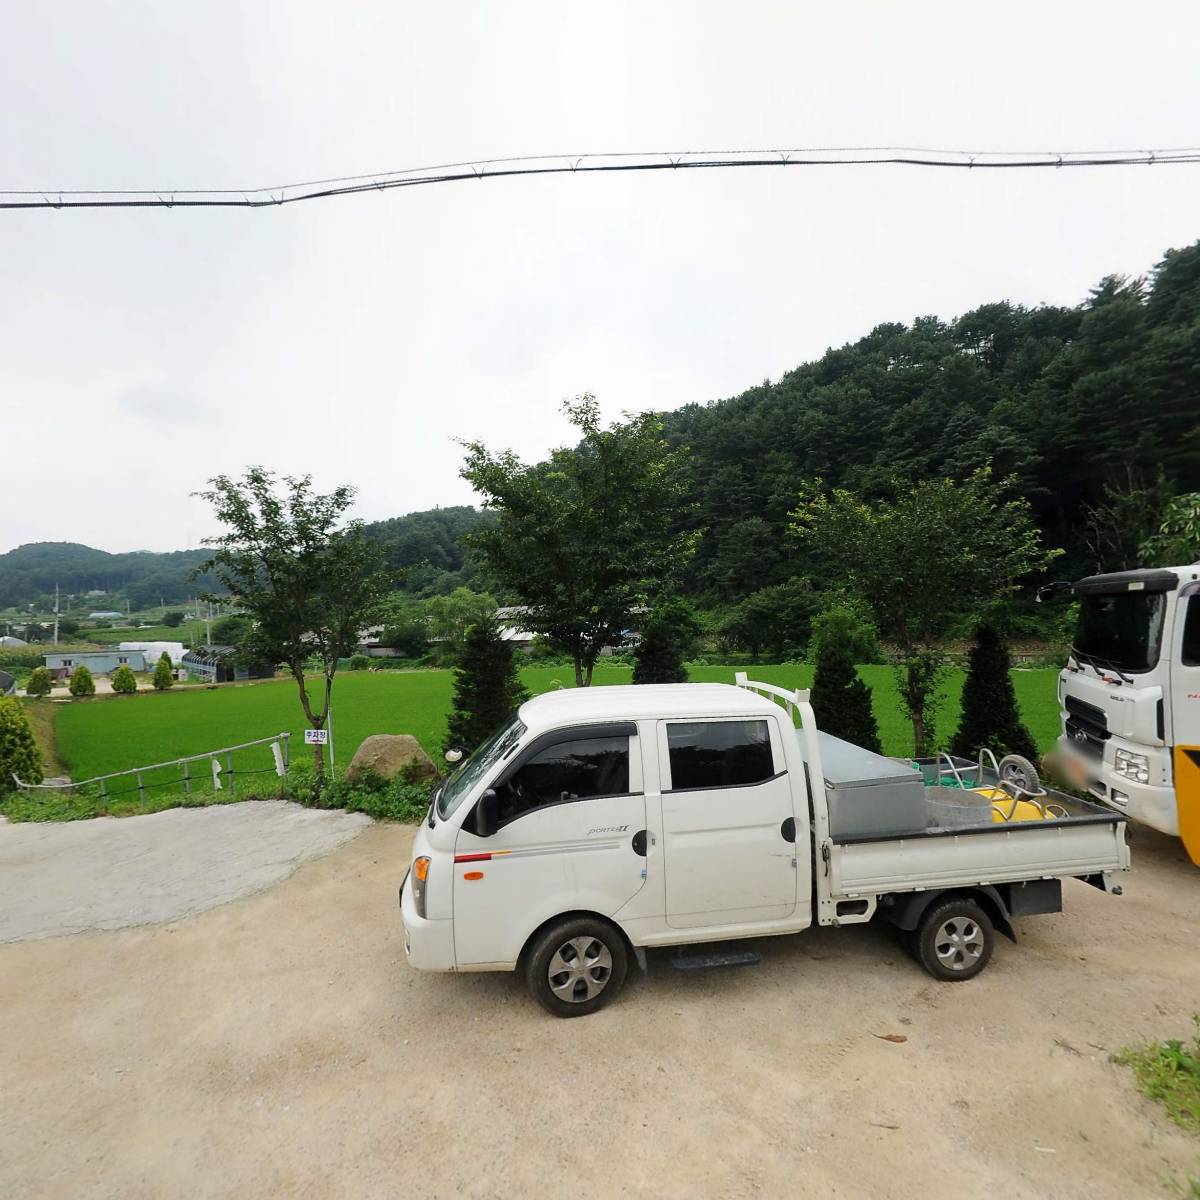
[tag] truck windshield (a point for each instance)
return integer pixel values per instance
(457, 787)
(1122, 630)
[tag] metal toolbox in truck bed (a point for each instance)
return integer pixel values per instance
(867, 793)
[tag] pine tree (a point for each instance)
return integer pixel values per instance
(989, 704)
(82, 683)
(669, 633)
(124, 682)
(657, 658)
(486, 687)
(39, 682)
(18, 751)
(164, 675)
(841, 701)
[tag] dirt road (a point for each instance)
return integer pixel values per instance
(279, 1046)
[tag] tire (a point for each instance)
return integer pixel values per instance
(1019, 770)
(576, 965)
(954, 940)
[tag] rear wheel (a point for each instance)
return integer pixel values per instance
(576, 965)
(954, 940)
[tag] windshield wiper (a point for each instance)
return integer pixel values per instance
(1096, 661)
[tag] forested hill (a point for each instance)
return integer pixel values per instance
(1094, 408)
(1085, 405)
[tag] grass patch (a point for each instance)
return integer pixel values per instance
(41, 714)
(1169, 1072)
(153, 633)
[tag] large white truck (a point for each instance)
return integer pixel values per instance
(600, 822)
(1130, 698)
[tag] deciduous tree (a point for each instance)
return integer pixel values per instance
(308, 579)
(925, 560)
(583, 537)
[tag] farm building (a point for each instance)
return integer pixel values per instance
(8, 684)
(60, 664)
(153, 651)
(106, 615)
(219, 664)
(8, 642)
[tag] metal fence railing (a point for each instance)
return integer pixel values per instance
(218, 777)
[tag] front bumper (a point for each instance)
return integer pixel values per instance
(1147, 803)
(428, 945)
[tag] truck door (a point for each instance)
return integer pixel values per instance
(728, 823)
(1185, 719)
(571, 830)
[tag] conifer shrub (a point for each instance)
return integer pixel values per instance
(39, 683)
(841, 700)
(18, 751)
(164, 673)
(82, 683)
(124, 682)
(990, 717)
(487, 687)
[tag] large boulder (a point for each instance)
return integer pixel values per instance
(390, 754)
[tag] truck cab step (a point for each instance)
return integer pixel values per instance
(714, 958)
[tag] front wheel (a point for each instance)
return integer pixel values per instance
(575, 966)
(954, 940)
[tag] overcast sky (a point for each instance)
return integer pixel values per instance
(143, 351)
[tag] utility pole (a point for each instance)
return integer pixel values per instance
(56, 614)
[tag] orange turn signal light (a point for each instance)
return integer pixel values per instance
(421, 868)
(472, 874)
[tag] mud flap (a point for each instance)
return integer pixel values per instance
(1187, 798)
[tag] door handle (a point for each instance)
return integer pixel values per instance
(639, 843)
(788, 829)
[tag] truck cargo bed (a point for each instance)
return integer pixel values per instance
(1090, 840)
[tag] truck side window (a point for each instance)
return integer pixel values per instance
(1191, 634)
(576, 770)
(708, 754)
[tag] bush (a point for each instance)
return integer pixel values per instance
(82, 683)
(841, 701)
(846, 625)
(18, 750)
(486, 687)
(397, 799)
(990, 717)
(39, 682)
(172, 620)
(359, 662)
(124, 682)
(164, 673)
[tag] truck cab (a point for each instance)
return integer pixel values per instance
(1129, 697)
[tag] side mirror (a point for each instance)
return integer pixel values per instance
(485, 814)
(454, 755)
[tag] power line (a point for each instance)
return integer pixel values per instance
(570, 164)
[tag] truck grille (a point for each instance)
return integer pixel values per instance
(1086, 727)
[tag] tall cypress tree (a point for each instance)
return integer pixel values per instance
(841, 701)
(486, 687)
(989, 704)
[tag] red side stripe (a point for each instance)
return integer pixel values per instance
(461, 858)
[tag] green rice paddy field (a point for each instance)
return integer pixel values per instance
(99, 736)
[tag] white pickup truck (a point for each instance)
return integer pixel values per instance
(600, 822)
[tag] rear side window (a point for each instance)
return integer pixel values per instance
(707, 754)
(1191, 634)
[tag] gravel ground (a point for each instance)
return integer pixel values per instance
(113, 873)
(280, 1046)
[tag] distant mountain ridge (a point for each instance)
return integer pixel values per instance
(425, 546)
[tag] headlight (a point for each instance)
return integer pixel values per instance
(1132, 766)
(420, 875)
